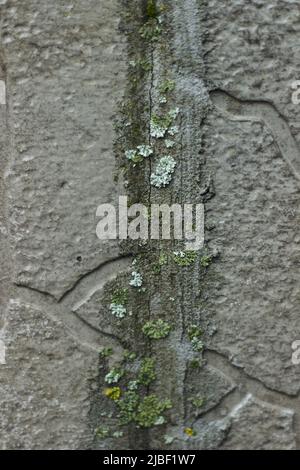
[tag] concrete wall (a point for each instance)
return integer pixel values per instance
(84, 81)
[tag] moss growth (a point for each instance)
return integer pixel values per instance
(120, 296)
(106, 352)
(195, 333)
(167, 86)
(205, 261)
(197, 401)
(145, 65)
(147, 373)
(105, 432)
(129, 356)
(162, 121)
(102, 432)
(162, 261)
(150, 31)
(156, 329)
(196, 363)
(185, 258)
(152, 11)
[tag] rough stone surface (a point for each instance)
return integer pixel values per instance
(65, 71)
(257, 425)
(48, 405)
(66, 65)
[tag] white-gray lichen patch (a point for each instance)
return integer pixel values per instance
(138, 154)
(137, 279)
(163, 172)
(118, 310)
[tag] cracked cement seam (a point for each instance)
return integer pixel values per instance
(253, 386)
(75, 325)
(262, 111)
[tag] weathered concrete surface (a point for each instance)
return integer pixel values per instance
(257, 425)
(45, 384)
(64, 66)
(65, 71)
(256, 209)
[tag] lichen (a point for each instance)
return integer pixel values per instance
(163, 172)
(118, 310)
(168, 439)
(114, 393)
(118, 303)
(169, 143)
(190, 432)
(156, 329)
(137, 155)
(114, 376)
(137, 279)
(173, 130)
(149, 411)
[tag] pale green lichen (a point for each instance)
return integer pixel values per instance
(137, 155)
(168, 439)
(137, 279)
(114, 376)
(169, 143)
(164, 172)
(173, 130)
(159, 125)
(162, 100)
(118, 310)
(149, 411)
(157, 131)
(156, 329)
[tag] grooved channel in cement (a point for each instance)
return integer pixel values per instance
(263, 111)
